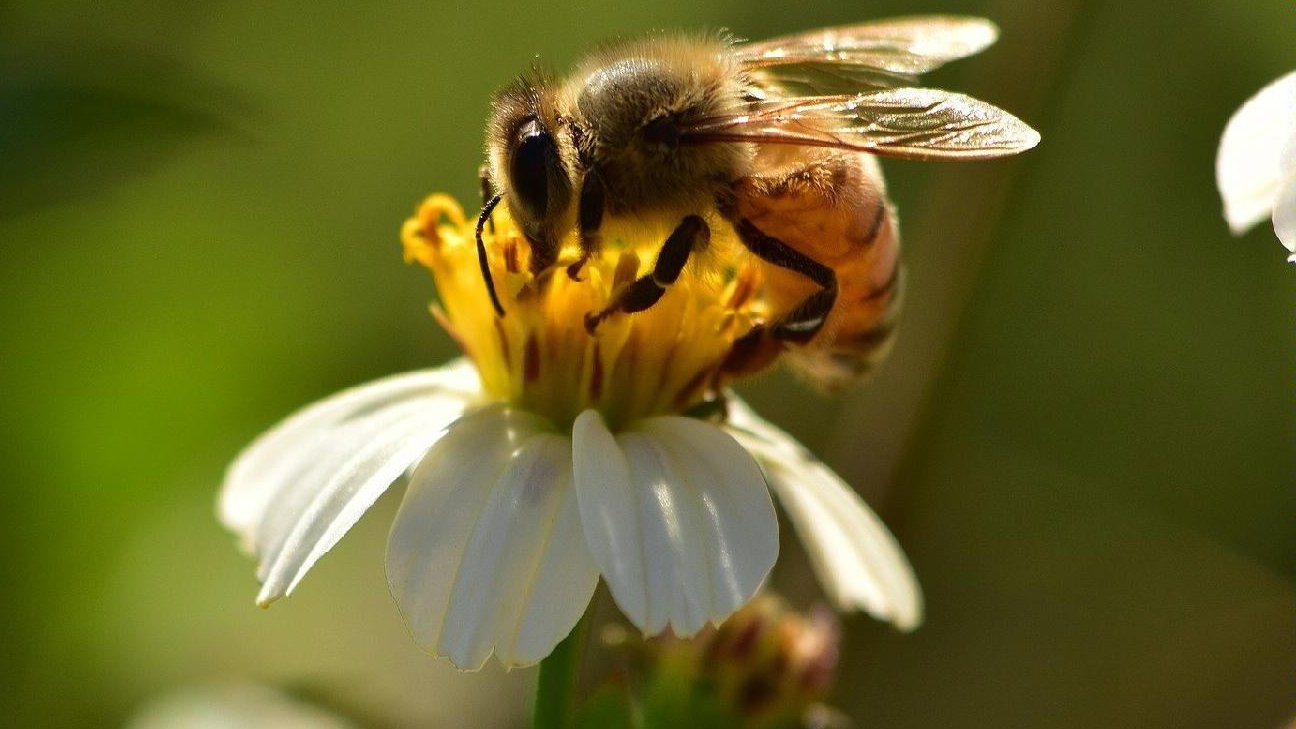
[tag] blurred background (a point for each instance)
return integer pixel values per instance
(1084, 439)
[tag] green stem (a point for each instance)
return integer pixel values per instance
(555, 704)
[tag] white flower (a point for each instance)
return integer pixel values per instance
(552, 459)
(1256, 165)
(235, 706)
(507, 522)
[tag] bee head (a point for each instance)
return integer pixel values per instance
(531, 161)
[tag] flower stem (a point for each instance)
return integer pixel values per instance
(555, 704)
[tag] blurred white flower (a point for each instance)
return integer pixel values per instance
(554, 457)
(236, 706)
(1256, 165)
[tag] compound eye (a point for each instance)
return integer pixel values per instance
(534, 169)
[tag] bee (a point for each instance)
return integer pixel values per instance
(775, 139)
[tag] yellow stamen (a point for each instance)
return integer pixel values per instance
(540, 355)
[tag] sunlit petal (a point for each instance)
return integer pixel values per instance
(294, 445)
(855, 556)
(677, 516)
(310, 515)
(299, 488)
(486, 554)
(1248, 168)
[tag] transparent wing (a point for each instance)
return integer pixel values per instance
(878, 54)
(911, 123)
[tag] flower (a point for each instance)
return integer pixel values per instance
(551, 456)
(767, 663)
(766, 666)
(232, 706)
(1256, 165)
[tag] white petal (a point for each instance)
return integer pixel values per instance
(677, 516)
(856, 558)
(310, 515)
(1284, 216)
(486, 553)
(1247, 168)
(260, 469)
(298, 489)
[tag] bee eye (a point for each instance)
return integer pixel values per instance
(535, 170)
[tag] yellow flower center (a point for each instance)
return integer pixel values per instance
(540, 355)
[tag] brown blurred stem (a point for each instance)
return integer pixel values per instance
(950, 228)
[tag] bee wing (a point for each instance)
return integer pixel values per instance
(879, 54)
(911, 123)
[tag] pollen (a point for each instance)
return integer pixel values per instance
(673, 358)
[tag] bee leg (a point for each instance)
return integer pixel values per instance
(691, 234)
(752, 352)
(482, 259)
(590, 220)
(487, 191)
(807, 318)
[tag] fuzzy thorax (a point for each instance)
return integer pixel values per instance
(540, 356)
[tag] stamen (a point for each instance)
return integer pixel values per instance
(627, 270)
(531, 360)
(511, 257)
(596, 376)
(504, 351)
(687, 396)
(667, 359)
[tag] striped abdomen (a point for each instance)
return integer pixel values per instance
(832, 207)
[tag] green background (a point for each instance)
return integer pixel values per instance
(1084, 439)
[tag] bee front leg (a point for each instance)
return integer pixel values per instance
(690, 235)
(483, 260)
(807, 318)
(590, 219)
(487, 191)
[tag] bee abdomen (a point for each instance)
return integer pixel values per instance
(858, 340)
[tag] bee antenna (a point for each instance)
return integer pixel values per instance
(486, 211)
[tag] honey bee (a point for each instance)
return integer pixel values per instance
(775, 139)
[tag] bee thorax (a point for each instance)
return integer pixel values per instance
(630, 117)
